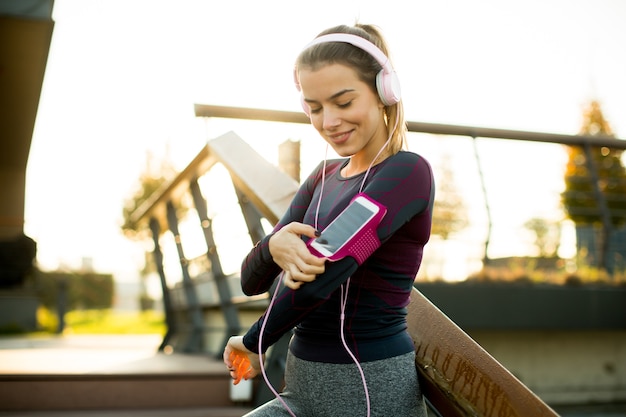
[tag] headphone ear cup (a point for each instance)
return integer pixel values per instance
(388, 87)
(305, 106)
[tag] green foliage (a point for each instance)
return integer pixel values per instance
(47, 320)
(82, 290)
(11, 329)
(147, 187)
(155, 177)
(580, 197)
(547, 236)
(104, 322)
(115, 322)
(449, 211)
(547, 270)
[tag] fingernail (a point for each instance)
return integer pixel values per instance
(318, 233)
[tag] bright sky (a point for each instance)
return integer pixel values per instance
(122, 78)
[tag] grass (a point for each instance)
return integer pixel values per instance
(104, 322)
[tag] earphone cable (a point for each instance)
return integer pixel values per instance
(319, 200)
(395, 126)
(342, 320)
(265, 377)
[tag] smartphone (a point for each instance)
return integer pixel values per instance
(356, 221)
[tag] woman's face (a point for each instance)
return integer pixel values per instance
(344, 110)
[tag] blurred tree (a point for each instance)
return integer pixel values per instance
(84, 290)
(450, 212)
(595, 193)
(547, 236)
(155, 176)
(579, 198)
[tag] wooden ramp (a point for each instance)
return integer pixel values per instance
(458, 376)
(264, 185)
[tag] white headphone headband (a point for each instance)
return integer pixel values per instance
(387, 83)
(357, 41)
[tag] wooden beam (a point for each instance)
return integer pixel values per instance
(155, 205)
(205, 110)
(268, 188)
(459, 377)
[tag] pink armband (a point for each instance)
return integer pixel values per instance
(363, 239)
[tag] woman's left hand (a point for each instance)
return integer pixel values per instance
(291, 254)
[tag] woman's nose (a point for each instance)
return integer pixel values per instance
(331, 119)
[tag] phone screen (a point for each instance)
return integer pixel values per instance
(346, 225)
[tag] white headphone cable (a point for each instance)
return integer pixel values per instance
(267, 381)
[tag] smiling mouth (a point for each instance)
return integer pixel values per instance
(340, 138)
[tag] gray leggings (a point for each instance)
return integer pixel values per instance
(314, 389)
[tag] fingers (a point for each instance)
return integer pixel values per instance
(294, 278)
(290, 252)
(240, 361)
(302, 270)
(242, 368)
(301, 229)
(228, 350)
(289, 282)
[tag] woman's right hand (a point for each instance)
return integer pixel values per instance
(235, 344)
(290, 253)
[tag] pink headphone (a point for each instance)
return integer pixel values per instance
(387, 83)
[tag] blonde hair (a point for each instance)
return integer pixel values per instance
(365, 66)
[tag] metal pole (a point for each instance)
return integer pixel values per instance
(194, 343)
(602, 204)
(229, 310)
(170, 322)
(486, 201)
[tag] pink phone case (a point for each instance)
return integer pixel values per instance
(365, 242)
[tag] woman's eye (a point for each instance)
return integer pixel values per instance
(317, 110)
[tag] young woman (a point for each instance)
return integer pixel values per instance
(350, 354)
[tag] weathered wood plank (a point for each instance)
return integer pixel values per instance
(459, 377)
(268, 188)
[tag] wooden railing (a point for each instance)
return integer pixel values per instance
(202, 307)
(586, 143)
